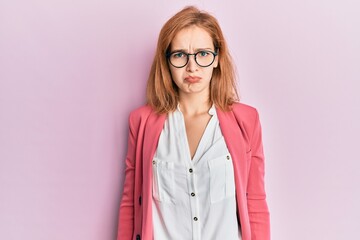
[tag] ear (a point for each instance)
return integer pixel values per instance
(216, 61)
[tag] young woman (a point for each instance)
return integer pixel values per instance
(195, 162)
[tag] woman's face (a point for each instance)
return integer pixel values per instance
(192, 78)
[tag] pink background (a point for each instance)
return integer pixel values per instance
(71, 71)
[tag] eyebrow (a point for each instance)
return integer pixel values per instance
(196, 50)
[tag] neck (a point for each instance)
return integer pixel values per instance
(193, 104)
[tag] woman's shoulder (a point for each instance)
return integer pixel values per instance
(144, 116)
(140, 112)
(243, 109)
(242, 112)
(246, 114)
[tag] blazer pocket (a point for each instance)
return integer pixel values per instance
(222, 182)
(163, 181)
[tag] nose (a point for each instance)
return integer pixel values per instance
(191, 65)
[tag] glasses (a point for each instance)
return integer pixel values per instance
(203, 58)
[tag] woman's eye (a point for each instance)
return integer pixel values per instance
(179, 55)
(203, 54)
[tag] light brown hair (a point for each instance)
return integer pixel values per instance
(162, 92)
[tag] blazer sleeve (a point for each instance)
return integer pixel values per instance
(126, 211)
(256, 197)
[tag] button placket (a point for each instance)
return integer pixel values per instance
(194, 202)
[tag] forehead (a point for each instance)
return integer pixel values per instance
(192, 38)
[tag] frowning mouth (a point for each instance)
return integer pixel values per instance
(192, 79)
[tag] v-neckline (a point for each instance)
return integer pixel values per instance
(202, 142)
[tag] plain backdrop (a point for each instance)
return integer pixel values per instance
(71, 71)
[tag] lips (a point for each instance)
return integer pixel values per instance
(192, 79)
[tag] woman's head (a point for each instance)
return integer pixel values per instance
(191, 31)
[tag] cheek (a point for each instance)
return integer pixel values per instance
(209, 73)
(173, 71)
(176, 75)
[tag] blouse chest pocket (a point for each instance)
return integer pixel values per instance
(163, 181)
(222, 183)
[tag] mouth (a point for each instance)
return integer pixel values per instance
(192, 79)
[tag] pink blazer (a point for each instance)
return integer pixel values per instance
(242, 133)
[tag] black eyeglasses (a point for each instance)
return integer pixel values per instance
(203, 58)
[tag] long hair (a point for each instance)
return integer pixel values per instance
(162, 93)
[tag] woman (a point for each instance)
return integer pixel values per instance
(195, 163)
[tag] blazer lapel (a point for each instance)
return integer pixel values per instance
(236, 144)
(153, 128)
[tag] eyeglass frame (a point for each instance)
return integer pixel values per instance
(188, 57)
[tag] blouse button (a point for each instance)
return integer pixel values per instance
(193, 194)
(190, 170)
(154, 162)
(195, 218)
(228, 157)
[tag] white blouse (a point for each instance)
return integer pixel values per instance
(193, 199)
